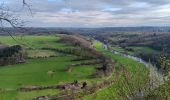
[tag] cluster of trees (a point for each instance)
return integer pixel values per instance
(85, 49)
(12, 55)
(9, 51)
(74, 51)
(85, 46)
(165, 65)
(77, 40)
(162, 61)
(155, 40)
(149, 57)
(106, 69)
(161, 93)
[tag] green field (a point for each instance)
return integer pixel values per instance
(36, 72)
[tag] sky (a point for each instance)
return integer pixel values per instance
(92, 13)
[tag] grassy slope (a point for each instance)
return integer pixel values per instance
(137, 71)
(35, 71)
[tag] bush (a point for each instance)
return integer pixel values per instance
(11, 55)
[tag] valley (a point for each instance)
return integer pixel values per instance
(50, 68)
(84, 49)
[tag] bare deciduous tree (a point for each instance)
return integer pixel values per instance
(7, 18)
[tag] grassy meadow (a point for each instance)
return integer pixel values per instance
(37, 72)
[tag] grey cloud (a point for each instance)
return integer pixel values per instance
(93, 12)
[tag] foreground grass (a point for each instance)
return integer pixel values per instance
(137, 72)
(35, 73)
(12, 95)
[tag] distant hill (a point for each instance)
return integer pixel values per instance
(46, 31)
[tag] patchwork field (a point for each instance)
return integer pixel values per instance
(36, 72)
(49, 68)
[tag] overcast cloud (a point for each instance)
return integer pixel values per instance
(93, 13)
